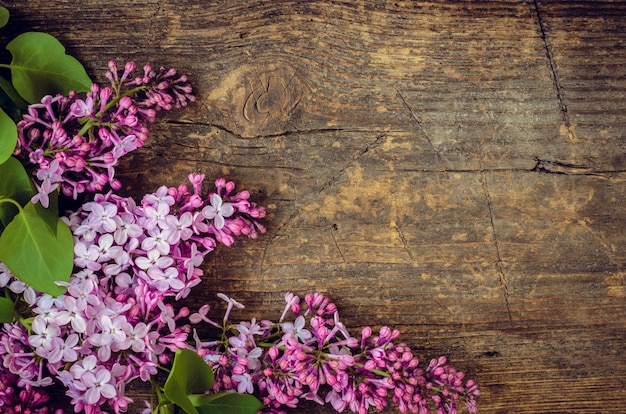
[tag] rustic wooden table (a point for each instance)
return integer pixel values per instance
(452, 169)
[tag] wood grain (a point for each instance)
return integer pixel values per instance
(453, 169)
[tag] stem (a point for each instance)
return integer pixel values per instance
(118, 97)
(162, 401)
(375, 371)
(164, 369)
(88, 125)
(11, 201)
(91, 121)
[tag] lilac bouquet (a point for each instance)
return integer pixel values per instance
(309, 354)
(90, 298)
(76, 143)
(116, 322)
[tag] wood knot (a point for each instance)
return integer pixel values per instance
(261, 101)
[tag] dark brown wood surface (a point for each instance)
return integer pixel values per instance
(452, 169)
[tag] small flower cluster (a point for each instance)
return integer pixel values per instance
(74, 142)
(314, 357)
(17, 393)
(115, 323)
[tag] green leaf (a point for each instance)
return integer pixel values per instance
(4, 16)
(8, 136)
(34, 254)
(15, 184)
(190, 374)
(12, 95)
(40, 67)
(7, 310)
(227, 403)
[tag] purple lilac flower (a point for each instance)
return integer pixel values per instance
(74, 142)
(116, 322)
(314, 357)
(21, 375)
(18, 397)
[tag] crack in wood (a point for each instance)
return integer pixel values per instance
(552, 63)
(420, 126)
(499, 264)
(564, 168)
(355, 159)
(404, 241)
(264, 255)
(265, 136)
(332, 235)
(157, 12)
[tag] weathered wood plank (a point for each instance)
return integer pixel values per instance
(454, 169)
(586, 41)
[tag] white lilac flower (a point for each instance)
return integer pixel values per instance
(218, 210)
(102, 217)
(73, 313)
(43, 333)
(98, 386)
(297, 329)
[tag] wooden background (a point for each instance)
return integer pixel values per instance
(452, 169)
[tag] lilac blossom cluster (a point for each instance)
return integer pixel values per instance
(17, 393)
(312, 356)
(74, 142)
(116, 322)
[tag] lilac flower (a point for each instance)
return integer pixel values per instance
(87, 364)
(297, 329)
(153, 261)
(157, 240)
(97, 386)
(83, 291)
(126, 228)
(18, 397)
(102, 217)
(73, 313)
(63, 349)
(161, 196)
(111, 331)
(217, 211)
(49, 178)
(201, 315)
(249, 329)
(45, 308)
(327, 365)
(245, 384)
(156, 215)
(231, 303)
(86, 256)
(106, 249)
(135, 335)
(86, 134)
(179, 228)
(167, 316)
(193, 261)
(82, 108)
(43, 333)
(167, 280)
